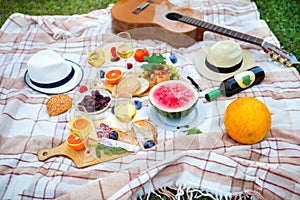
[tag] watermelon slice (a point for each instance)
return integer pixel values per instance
(173, 98)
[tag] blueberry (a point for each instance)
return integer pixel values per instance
(148, 144)
(173, 58)
(137, 104)
(102, 73)
(113, 135)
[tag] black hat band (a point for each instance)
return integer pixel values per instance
(55, 84)
(223, 70)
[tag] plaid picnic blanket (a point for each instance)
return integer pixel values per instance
(209, 164)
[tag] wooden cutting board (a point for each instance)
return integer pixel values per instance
(78, 157)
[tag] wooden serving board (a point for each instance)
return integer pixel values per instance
(78, 157)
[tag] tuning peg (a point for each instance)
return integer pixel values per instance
(275, 56)
(282, 60)
(288, 64)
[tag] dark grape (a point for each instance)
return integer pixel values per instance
(95, 101)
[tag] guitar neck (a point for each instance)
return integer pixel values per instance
(221, 30)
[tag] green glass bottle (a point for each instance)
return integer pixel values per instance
(237, 83)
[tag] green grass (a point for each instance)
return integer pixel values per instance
(53, 7)
(283, 18)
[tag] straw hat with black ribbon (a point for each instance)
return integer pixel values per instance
(221, 60)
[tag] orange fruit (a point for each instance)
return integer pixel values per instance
(75, 142)
(140, 53)
(113, 76)
(247, 120)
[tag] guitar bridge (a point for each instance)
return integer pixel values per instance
(142, 7)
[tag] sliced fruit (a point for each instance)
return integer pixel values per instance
(113, 76)
(173, 98)
(75, 142)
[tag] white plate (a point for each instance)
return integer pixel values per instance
(190, 121)
(89, 92)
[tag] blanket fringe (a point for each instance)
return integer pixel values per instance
(179, 193)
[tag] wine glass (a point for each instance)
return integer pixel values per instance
(124, 46)
(125, 111)
(96, 56)
(82, 126)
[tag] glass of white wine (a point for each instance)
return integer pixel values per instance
(124, 46)
(125, 111)
(82, 126)
(96, 54)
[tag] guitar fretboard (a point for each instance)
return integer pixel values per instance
(221, 30)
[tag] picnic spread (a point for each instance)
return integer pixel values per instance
(51, 67)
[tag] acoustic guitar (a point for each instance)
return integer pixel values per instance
(129, 14)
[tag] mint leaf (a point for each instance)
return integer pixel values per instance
(98, 152)
(155, 59)
(193, 131)
(108, 150)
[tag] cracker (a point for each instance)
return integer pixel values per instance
(58, 104)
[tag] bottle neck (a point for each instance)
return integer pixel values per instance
(212, 95)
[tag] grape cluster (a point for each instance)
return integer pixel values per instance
(95, 101)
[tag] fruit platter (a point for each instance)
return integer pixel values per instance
(148, 66)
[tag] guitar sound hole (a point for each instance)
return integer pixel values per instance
(172, 16)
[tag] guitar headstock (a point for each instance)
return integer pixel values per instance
(280, 55)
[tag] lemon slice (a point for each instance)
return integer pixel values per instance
(96, 58)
